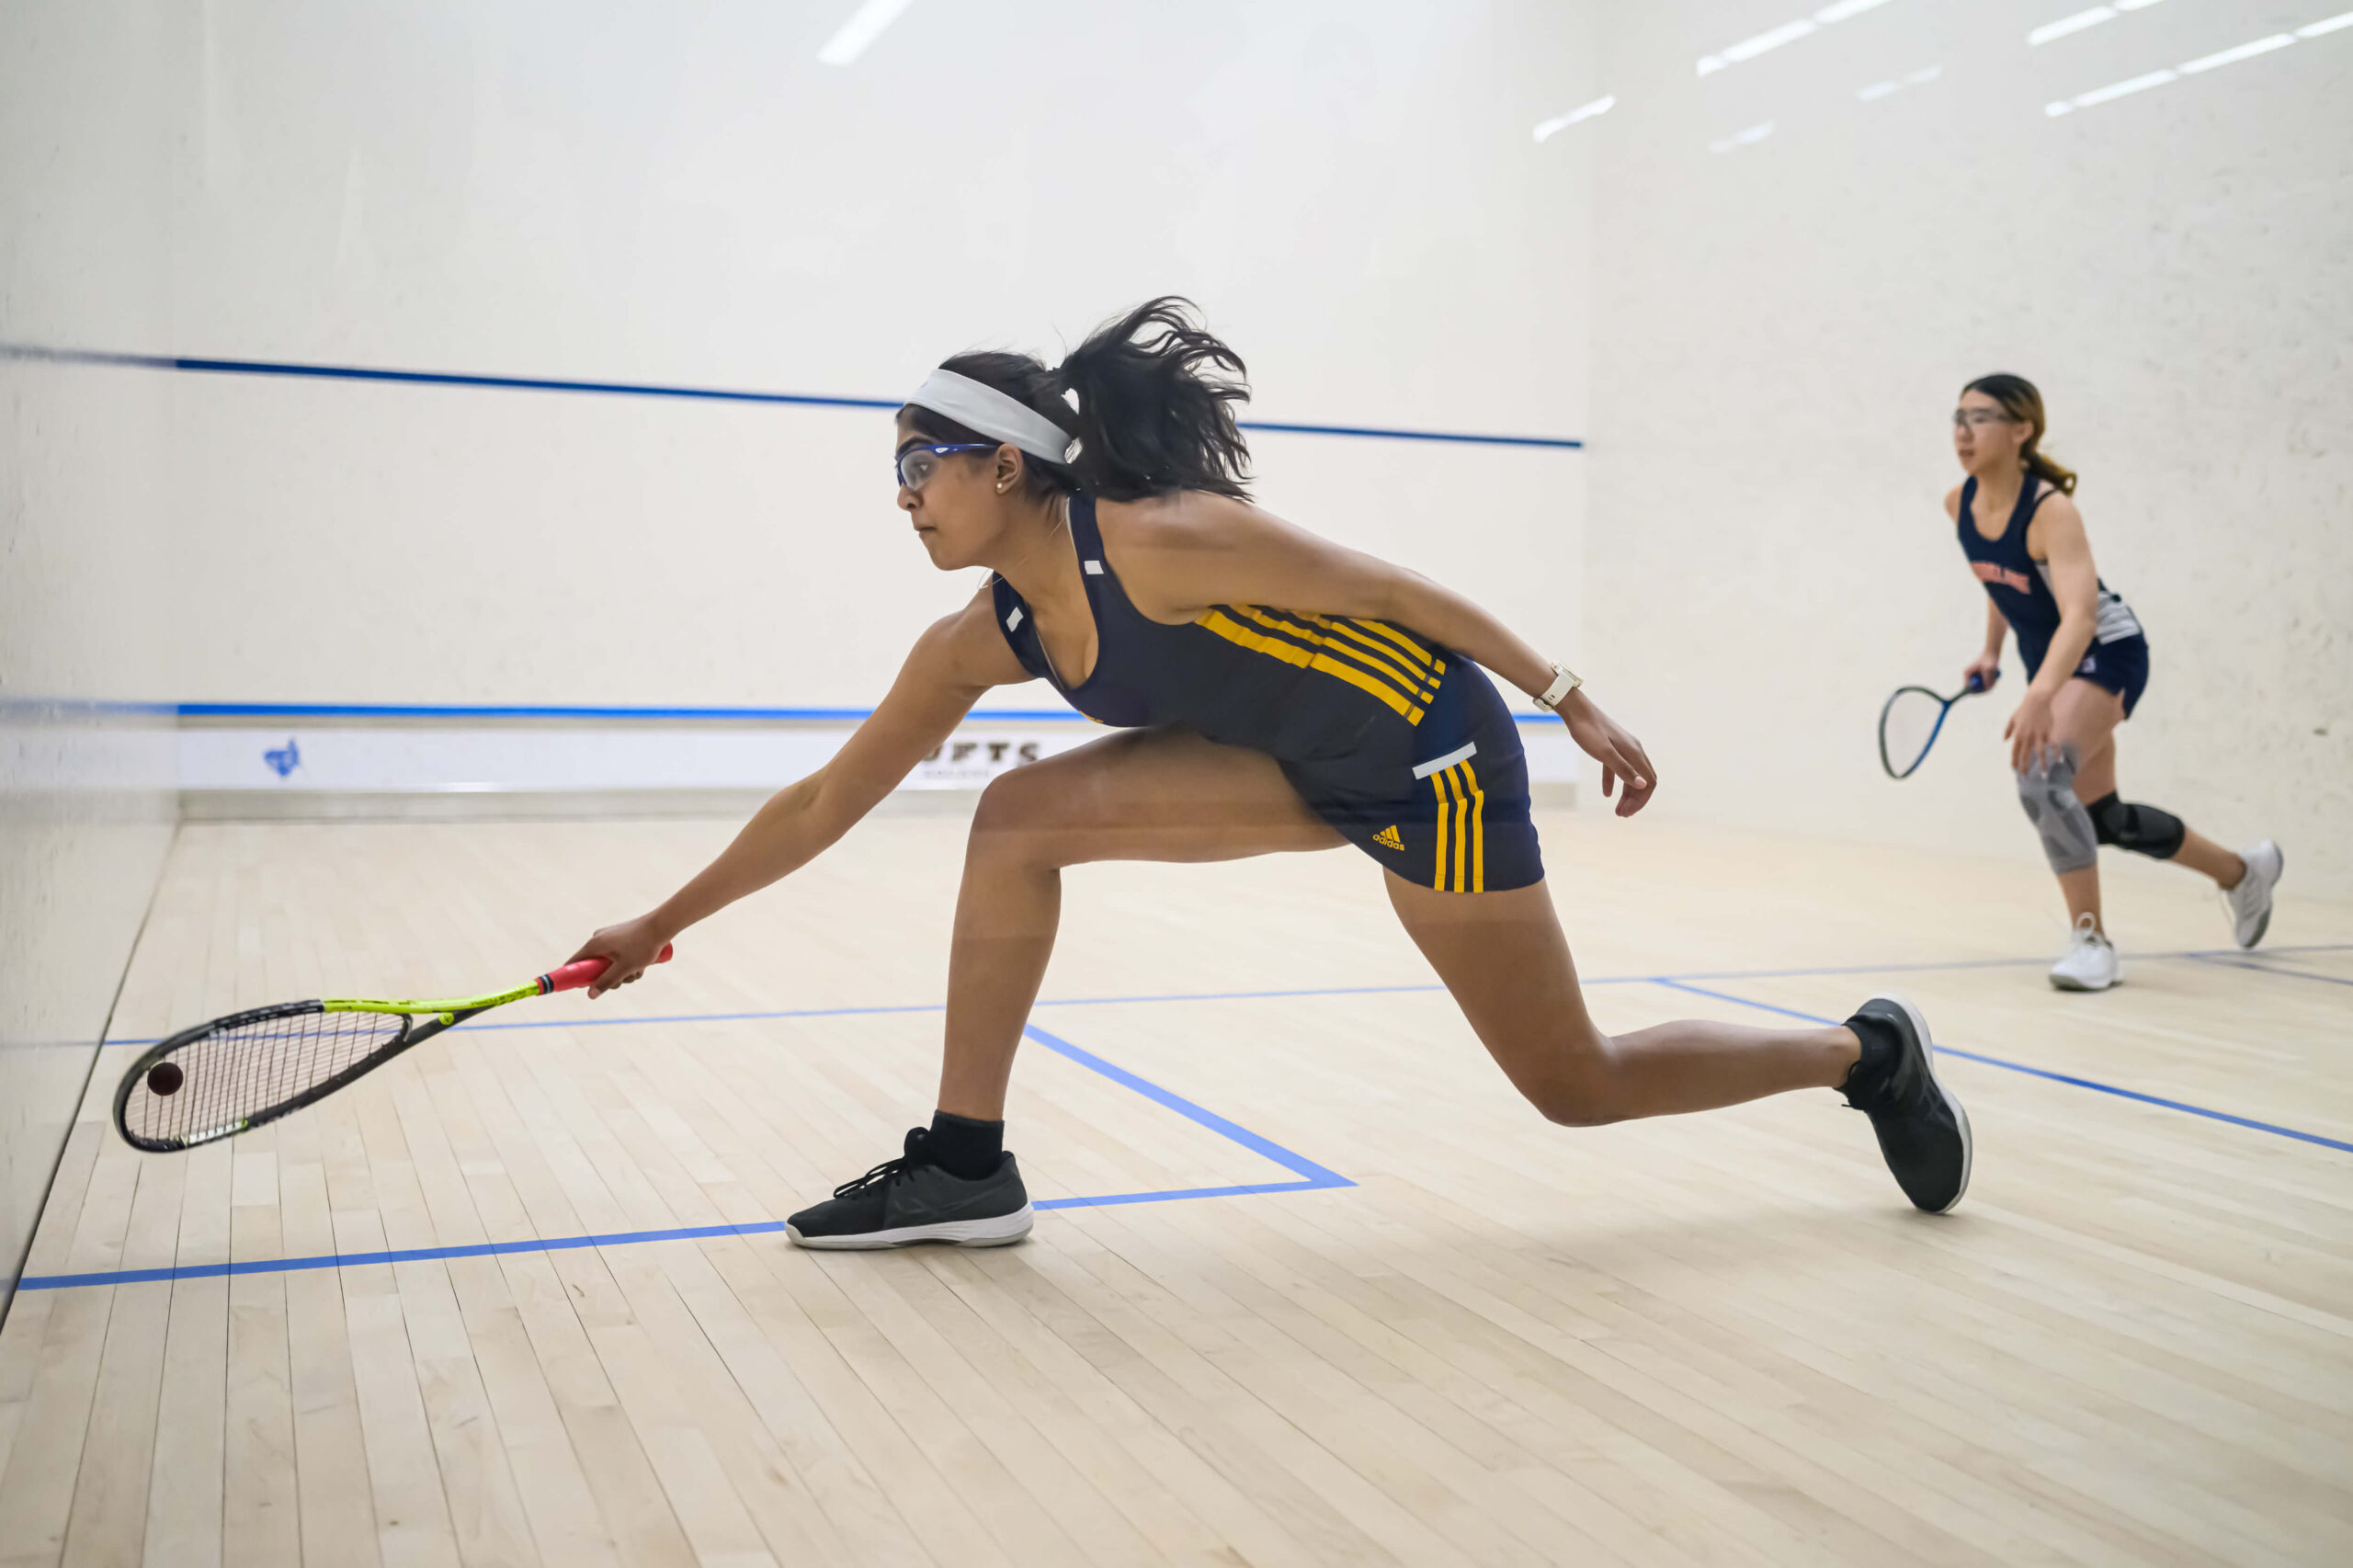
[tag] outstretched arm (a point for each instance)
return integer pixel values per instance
(1180, 554)
(952, 663)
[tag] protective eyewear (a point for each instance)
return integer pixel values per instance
(1980, 418)
(917, 464)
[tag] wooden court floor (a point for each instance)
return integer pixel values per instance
(1430, 1329)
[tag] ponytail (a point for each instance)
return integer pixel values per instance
(2049, 468)
(2023, 404)
(1155, 393)
(1155, 414)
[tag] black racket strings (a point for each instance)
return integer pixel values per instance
(244, 1067)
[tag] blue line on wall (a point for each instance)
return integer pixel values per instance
(1376, 433)
(704, 394)
(276, 711)
(501, 710)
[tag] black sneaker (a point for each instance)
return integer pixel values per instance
(1922, 1130)
(905, 1200)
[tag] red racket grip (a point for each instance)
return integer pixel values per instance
(572, 976)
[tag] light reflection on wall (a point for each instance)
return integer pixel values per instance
(2164, 76)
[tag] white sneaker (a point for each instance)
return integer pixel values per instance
(2090, 963)
(2250, 902)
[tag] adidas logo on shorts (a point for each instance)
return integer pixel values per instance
(1387, 838)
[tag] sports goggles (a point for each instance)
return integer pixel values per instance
(917, 464)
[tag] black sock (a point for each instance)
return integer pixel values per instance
(963, 1147)
(1881, 1044)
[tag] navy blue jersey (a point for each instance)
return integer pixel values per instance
(1403, 746)
(1299, 688)
(2020, 585)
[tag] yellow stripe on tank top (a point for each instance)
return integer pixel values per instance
(1435, 666)
(1292, 653)
(1375, 652)
(1405, 683)
(1421, 654)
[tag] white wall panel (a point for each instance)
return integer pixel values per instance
(686, 196)
(683, 193)
(86, 772)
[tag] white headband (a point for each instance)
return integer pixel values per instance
(991, 413)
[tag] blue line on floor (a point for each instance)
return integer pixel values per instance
(770, 1015)
(404, 1254)
(2045, 1072)
(2235, 960)
(1315, 1174)
(1175, 1193)
(1313, 1177)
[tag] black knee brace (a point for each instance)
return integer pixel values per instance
(2145, 830)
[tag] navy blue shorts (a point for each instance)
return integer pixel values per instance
(1443, 802)
(2121, 667)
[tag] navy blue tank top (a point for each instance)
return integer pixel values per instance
(1300, 688)
(2020, 585)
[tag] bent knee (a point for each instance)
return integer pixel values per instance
(1007, 801)
(1579, 1111)
(1022, 817)
(1584, 1091)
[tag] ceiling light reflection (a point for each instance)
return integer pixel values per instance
(1755, 134)
(1750, 48)
(864, 25)
(2082, 19)
(2248, 50)
(1791, 32)
(2073, 24)
(1879, 90)
(1845, 8)
(2244, 51)
(2124, 89)
(1583, 111)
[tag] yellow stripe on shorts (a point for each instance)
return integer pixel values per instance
(1462, 860)
(1478, 830)
(1445, 818)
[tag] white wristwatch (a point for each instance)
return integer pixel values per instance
(1564, 681)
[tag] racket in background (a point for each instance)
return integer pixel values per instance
(237, 1073)
(1911, 721)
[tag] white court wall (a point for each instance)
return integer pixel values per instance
(86, 774)
(687, 196)
(1782, 329)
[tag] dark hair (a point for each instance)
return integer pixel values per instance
(1156, 392)
(2023, 404)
